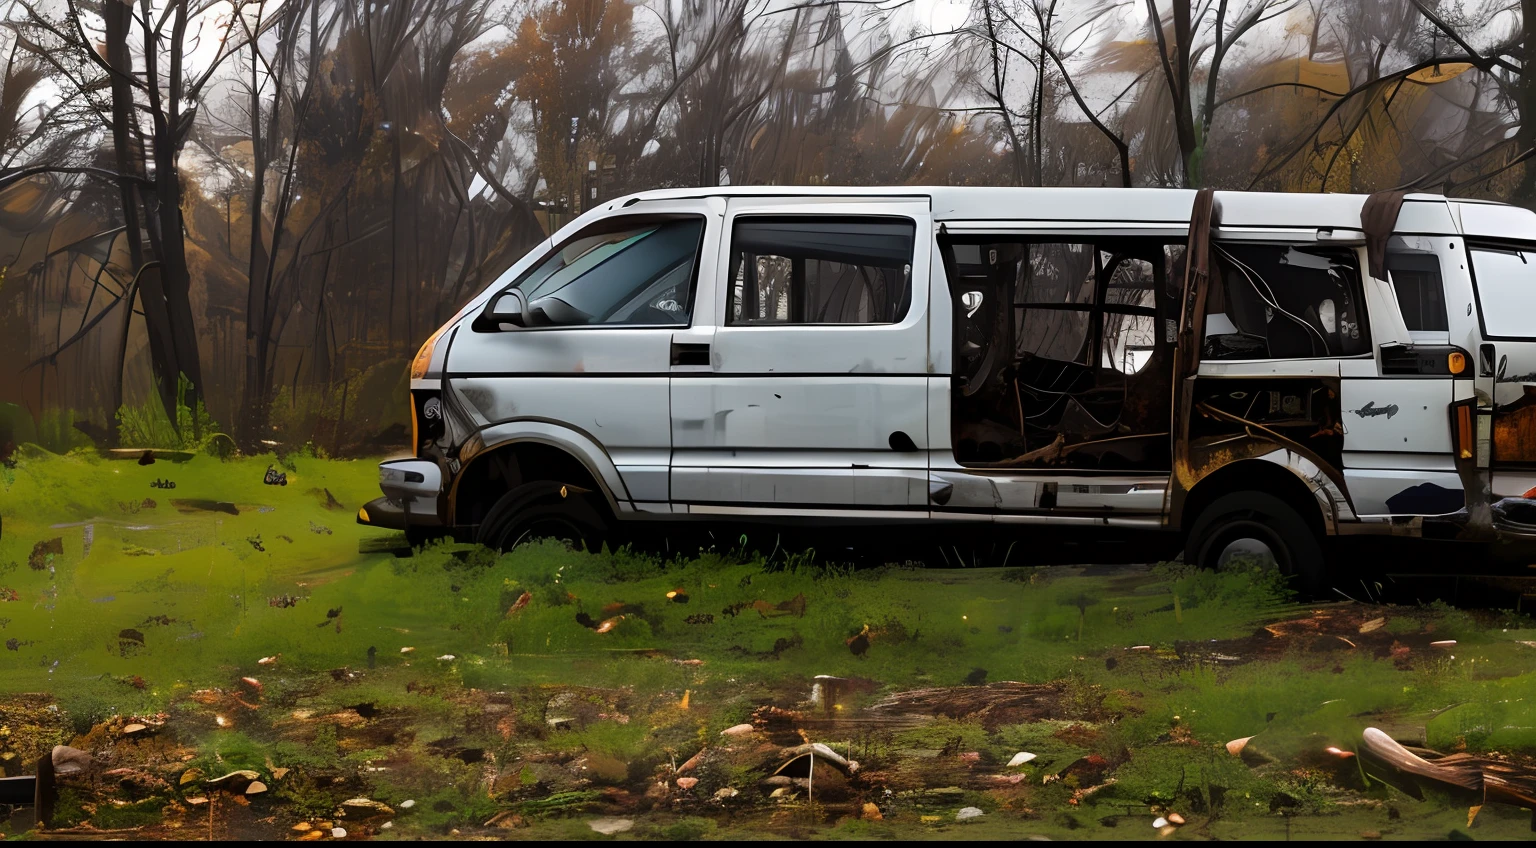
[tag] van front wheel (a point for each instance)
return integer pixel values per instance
(546, 509)
(1260, 526)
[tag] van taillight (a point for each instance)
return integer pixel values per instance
(1464, 440)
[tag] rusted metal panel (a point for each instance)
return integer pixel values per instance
(1514, 430)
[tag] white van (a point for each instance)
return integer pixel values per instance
(1235, 367)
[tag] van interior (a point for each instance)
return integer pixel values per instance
(1064, 349)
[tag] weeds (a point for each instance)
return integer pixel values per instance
(147, 425)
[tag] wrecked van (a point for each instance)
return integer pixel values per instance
(1236, 368)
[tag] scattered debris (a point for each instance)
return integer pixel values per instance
(738, 730)
(67, 760)
(610, 826)
(687, 782)
(968, 813)
(859, 642)
(364, 808)
(519, 604)
(203, 505)
(236, 780)
(1236, 746)
(273, 477)
(1020, 759)
(43, 553)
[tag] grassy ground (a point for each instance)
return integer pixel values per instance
(550, 688)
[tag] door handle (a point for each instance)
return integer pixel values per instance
(690, 354)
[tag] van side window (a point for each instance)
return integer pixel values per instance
(618, 273)
(820, 270)
(1506, 289)
(1420, 290)
(1277, 301)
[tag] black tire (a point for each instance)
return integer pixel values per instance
(545, 509)
(1297, 549)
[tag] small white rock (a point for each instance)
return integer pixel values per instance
(738, 730)
(726, 792)
(339, 833)
(610, 826)
(1020, 759)
(406, 805)
(387, 825)
(968, 813)
(447, 657)
(1159, 823)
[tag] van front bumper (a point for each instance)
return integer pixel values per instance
(412, 489)
(391, 515)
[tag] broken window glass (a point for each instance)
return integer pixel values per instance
(1276, 301)
(1072, 357)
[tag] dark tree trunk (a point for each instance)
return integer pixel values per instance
(1525, 194)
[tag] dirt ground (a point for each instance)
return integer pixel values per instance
(228, 659)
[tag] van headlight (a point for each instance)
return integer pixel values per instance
(423, 358)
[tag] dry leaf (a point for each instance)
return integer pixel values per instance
(1236, 746)
(1373, 624)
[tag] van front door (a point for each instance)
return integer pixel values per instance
(816, 394)
(591, 346)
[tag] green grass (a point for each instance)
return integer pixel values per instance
(196, 591)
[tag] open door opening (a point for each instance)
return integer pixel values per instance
(1063, 351)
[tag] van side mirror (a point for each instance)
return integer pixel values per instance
(508, 307)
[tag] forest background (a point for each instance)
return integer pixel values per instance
(231, 222)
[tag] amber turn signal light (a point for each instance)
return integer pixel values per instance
(1464, 439)
(1457, 362)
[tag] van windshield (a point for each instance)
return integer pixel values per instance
(1506, 290)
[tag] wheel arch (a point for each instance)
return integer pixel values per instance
(1271, 475)
(506, 454)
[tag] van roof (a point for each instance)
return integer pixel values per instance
(1092, 204)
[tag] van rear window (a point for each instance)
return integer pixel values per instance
(1506, 290)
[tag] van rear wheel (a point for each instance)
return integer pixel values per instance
(546, 509)
(1261, 526)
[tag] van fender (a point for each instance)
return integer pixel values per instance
(1332, 503)
(570, 439)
